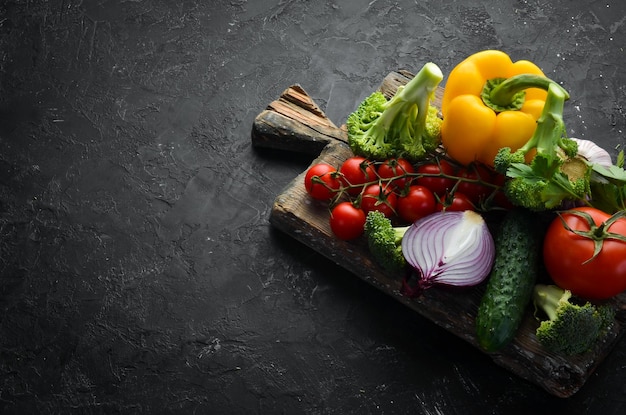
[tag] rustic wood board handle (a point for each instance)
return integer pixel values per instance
(295, 123)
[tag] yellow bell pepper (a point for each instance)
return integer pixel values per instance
(490, 102)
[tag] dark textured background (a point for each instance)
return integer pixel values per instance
(138, 270)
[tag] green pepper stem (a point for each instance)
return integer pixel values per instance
(509, 94)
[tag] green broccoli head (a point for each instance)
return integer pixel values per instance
(367, 136)
(526, 193)
(550, 178)
(404, 126)
(542, 184)
(432, 135)
(384, 241)
(505, 157)
(538, 194)
(414, 146)
(570, 328)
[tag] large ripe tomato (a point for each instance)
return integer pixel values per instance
(418, 202)
(379, 197)
(347, 221)
(397, 168)
(355, 172)
(434, 179)
(321, 181)
(569, 258)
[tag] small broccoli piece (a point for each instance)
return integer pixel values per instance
(547, 181)
(405, 126)
(570, 328)
(384, 241)
(505, 158)
(524, 192)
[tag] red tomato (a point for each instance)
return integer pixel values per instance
(347, 221)
(497, 178)
(438, 185)
(356, 171)
(568, 257)
(476, 192)
(320, 181)
(457, 202)
(417, 203)
(394, 168)
(502, 201)
(379, 197)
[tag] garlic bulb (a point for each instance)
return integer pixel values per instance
(593, 153)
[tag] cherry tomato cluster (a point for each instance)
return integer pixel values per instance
(400, 190)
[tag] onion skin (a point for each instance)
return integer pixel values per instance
(448, 248)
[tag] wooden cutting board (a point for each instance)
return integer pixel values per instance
(295, 123)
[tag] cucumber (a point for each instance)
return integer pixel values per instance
(511, 281)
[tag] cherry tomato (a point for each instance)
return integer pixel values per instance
(320, 181)
(347, 221)
(418, 202)
(356, 171)
(379, 197)
(497, 178)
(438, 185)
(396, 167)
(502, 201)
(568, 257)
(456, 202)
(476, 192)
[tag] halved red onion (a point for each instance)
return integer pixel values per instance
(449, 248)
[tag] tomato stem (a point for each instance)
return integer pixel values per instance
(597, 233)
(343, 190)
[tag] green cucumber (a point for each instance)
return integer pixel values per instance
(511, 281)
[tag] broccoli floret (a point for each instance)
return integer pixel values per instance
(505, 157)
(524, 192)
(365, 135)
(414, 146)
(384, 241)
(405, 126)
(537, 187)
(432, 137)
(545, 182)
(570, 328)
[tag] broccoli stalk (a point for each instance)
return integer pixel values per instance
(384, 241)
(570, 328)
(405, 126)
(554, 174)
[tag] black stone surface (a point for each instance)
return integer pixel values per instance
(138, 270)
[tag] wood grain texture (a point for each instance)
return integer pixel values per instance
(294, 122)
